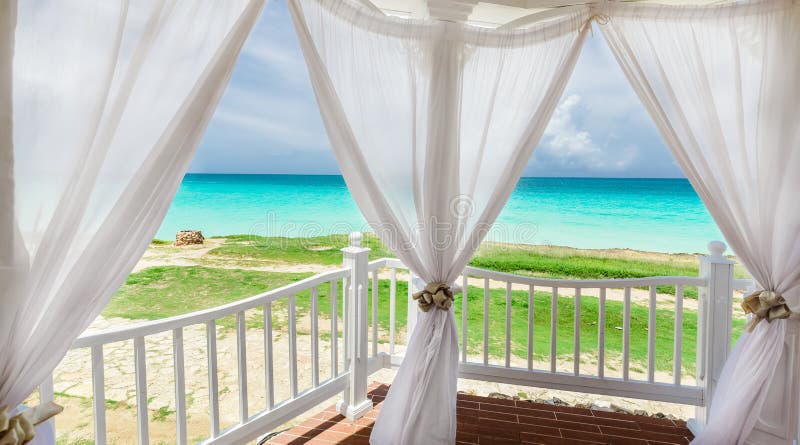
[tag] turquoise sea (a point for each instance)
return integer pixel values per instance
(663, 215)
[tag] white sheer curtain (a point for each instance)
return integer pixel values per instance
(110, 99)
(723, 85)
(8, 19)
(432, 124)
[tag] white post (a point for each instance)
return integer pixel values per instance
(354, 403)
(714, 316)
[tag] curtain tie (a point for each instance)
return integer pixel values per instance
(765, 305)
(434, 295)
(20, 429)
(601, 18)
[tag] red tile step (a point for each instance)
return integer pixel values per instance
(484, 420)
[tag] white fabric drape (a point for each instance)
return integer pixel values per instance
(110, 100)
(432, 124)
(8, 20)
(722, 84)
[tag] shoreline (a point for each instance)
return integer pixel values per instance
(617, 251)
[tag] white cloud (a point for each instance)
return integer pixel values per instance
(278, 60)
(270, 105)
(285, 132)
(562, 136)
(566, 146)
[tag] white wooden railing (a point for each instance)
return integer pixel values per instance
(578, 379)
(251, 425)
(364, 352)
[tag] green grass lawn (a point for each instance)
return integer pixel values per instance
(160, 292)
(539, 261)
(557, 262)
(562, 263)
(316, 250)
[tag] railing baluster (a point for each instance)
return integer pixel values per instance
(46, 390)
(508, 324)
(553, 328)
(213, 378)
(626, 334)
(375, 313)
(485, 321)
(651, 337)
(678, 351)
(392, 308)
(334, 329)
(360, 352)
(345, 310)
(241, 360)
(269, 372)
(141, 391)
(601, 335)
(98, 395)
(181, 437)
(314, 336)
(292, 346)
(531, 301)
(576, 361)
(464, 304)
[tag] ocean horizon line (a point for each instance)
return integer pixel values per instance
(339, 175)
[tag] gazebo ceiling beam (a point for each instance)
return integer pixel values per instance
(461, 10)
(370, 5)
(495, 13)
(538, 16)
(452, 10)
(538, 4)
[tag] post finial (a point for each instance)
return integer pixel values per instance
(717, 248)
(355, 239)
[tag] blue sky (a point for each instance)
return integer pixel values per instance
(268, 121)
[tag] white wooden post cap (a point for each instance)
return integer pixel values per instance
(717, 248)
(355, 239)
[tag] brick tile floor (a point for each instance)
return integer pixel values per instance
(483, 420)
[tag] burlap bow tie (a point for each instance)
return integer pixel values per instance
(434, 294)
(765, 305)
(20, 428)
